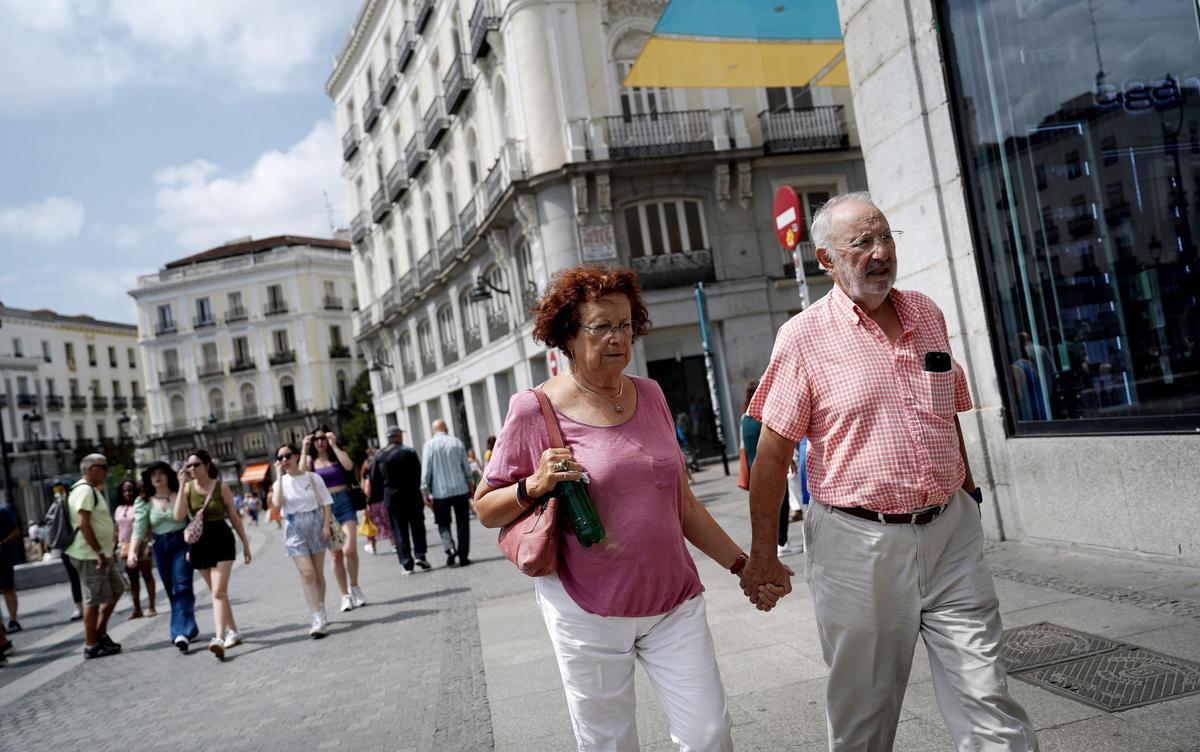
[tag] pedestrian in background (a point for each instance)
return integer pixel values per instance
(154, 514)
(487, 453)
(380, 523)
(323, 456)
(91, 554)
(10, 538)
(895, 547)
(751, 430)
(60, 501)
(447, 482)
(202, 493)
(635, 596)
(305, 502)
(396, 473)
(251, 505)
(142, 567)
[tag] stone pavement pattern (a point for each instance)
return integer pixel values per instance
(408, 671)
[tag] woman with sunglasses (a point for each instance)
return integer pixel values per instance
(139, 547)
(323, 456)
(154, 514)
(305, 503)
(203, 493)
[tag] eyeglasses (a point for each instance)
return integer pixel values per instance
(603, 331)
(102, 467)
(285, 457)
(190, 465)
(886, 239)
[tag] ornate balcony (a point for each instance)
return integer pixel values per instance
(54, 402)
(405, 46)
(415, 154)
(79, 402)
(350, 142)
(366, 319)
(484, 18)
(339, 351)
(138, 403)
(426, 268)
(26, 399)
(457, 83)
(370, 111)
(409, 372)
(449, 351)
(165, 327)
(391, 302)
(380, 206)
(99, 402)
(210, 370)
(178, 426)
(332, 303)
(119, 403)
(428, 363)
(508, 167)
(396, 181)
(806, 129)
(282, 357)
(359, 226)
(406, 288)
(435, 122)
(388, 78)
(275, 308)
(497, 323)
(169, 376)
(674, 269)
(241, 365)
(422, 15)
(468, 222)
(658, 134)
(447, 246)
(472, 340)
(202, 322)
(235, 314)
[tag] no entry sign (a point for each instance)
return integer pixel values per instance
(789, 219)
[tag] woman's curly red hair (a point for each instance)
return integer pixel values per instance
(556, 316)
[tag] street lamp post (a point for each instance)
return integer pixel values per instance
(32, 418)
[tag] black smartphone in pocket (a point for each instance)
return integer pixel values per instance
(937, 362)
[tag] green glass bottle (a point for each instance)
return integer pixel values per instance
(580, 513)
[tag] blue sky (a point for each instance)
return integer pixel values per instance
(133, 132)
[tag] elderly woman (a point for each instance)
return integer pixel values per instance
(636, 595)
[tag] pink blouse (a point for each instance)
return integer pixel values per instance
(123, 516)
(642, 567)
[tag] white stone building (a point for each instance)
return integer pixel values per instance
(246, 345)
(1044, 162)
(493, 140)
(71, 385)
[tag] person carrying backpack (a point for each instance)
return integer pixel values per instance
(59, 535)
(91, 553)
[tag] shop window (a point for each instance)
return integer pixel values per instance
(1097, 333)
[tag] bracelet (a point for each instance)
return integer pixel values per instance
(739, 563)
(522, 494)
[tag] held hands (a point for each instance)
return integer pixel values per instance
(765, 580)
(550, 473)
(325, 532)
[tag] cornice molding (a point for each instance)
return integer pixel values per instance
(352, 45)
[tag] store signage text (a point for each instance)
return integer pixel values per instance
(1139, 96)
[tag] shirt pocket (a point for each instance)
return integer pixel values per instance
(664, 469)
(935, 391)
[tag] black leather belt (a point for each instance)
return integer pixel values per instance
(919, 518)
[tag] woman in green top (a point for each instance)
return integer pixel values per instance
(203, 493)
(155, 511)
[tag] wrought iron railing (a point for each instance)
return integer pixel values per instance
(138, 403)
(201, 322)
(435, 122)
(79, 402)
(406, 288)
(165, 327)
(427, 267)
(423, 13)
(472, 340)
(457, 83)
(405, 46)
(497, 323)
(282, 357)
(484, 18)
(54, 402)
(409, 372)
(275, 308)
(428, 363)
(366, 318)
(674, 269)
(350, 142)
(449, 351)
(370, 111)
(339, 351)
(658, 134)
(415, 154)
(236, 313)
(214, 368)
(388, 78)
(447, 247)
(358, 226)
(241, 365)
(99, 402)
(380, 206)
(332, 303)
(397, 181)
(468, 222)
(164, 377)
(805, 129)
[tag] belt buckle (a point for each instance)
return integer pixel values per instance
(912, 520)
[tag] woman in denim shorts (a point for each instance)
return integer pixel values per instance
(304, 503)
(323, 456)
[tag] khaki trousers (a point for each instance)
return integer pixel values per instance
(876, 587)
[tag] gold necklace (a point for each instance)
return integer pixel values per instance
(617, 406)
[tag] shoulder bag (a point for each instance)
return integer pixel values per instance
(195, 528)
(531, 541)
(337, 536)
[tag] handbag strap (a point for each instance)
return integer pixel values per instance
(204, 506)
(552, 427)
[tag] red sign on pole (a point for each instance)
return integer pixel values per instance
(789, 219)
(552, 359)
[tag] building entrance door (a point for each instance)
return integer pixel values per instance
(458, 404)
(686, 387)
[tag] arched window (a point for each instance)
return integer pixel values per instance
(447, 333)
(501, 112)
(430, 226)
(216, 404)
(636, 100)
(385, 374)
(390, 250)
(473, 174)
(497, 310)
(425, 344)
(408, 362)
(472, 338)
(529, 290)
(178, 410)
(369, 276)
(249, 400)
(448, 187)
(409, 247)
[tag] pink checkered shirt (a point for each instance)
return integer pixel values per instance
(880, 427)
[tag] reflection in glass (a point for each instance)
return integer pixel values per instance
(1080, 127)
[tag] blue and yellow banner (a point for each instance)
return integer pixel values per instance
(743, 43)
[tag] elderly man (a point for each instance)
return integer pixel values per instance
(91, 553)
(396, 478)
(895, 545)
(448, 483)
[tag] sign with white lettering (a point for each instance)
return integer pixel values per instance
(598, 243)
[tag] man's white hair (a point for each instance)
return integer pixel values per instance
(822, 221)
(92, 459)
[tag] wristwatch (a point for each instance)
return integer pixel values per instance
(739, 563)
(977, 495)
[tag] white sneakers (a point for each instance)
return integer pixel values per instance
(181, 642)
(357, 594)
(347, 603)
(232, 638)
(787, 549)
(318, 626)
(369, 548)
(216, 646)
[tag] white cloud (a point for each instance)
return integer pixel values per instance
(52, 221)
(282, 193)
(53, 51)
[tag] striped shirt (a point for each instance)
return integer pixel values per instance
(445, 470)
(880, 427)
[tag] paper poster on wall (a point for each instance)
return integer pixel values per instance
(598, 243)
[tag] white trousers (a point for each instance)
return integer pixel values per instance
(875, 588)
(596, 656)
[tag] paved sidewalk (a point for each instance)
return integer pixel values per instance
(772, 668)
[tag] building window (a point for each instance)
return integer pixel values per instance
(335, 336)
(112, 357)
(786, 99)
(661, 227)
(46, 352)
(280, 338)
(204, 312)
(18, 349)
(50, 387)
(91, 351)
(287, 394)
(133, 390)
(73, 387)
(208, 354)
(638, 100)
(241, 352)
(101, 431)
(1096, 328)
(129, 352)
(166, 319)
(116, 389)
(69, 349)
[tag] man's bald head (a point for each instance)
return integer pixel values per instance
(439, 426)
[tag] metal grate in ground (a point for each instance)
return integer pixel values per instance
(1128, 677)
(1044, 644)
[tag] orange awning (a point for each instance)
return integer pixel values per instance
(255, 473)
